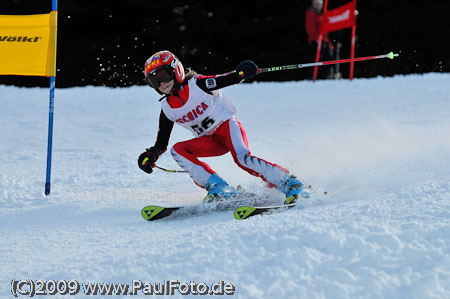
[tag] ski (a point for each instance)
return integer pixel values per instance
(151, 213)
(245, 205)
(245, 212)
(156, 212)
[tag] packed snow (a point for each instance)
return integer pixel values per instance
(380, 147)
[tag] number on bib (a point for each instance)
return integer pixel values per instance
(205, 125)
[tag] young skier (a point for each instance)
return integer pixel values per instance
(197, 103)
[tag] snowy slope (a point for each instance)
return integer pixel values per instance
(381, 147)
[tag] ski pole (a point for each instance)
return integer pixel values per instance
(390, 55)
(169, 170)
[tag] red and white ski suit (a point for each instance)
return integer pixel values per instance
(202, 108)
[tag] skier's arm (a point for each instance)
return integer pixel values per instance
(162, 140)
(245, 70)
(210, 83)
(148, 158)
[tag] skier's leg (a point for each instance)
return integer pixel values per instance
(273, 174)
(186, 154)
(235, 138)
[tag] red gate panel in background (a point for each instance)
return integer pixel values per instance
(338, 19)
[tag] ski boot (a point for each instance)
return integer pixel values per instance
(292, 188)
(218, 189)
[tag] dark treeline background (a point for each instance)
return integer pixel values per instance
(107, 42)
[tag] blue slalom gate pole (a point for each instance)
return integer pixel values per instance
(50, 121)
(50, 134)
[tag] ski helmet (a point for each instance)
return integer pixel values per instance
(163, 66)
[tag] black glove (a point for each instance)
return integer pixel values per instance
(147, 160)
(246, 69)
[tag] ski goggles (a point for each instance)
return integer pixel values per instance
(162, 74)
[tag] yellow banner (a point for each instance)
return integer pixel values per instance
(28, 44)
